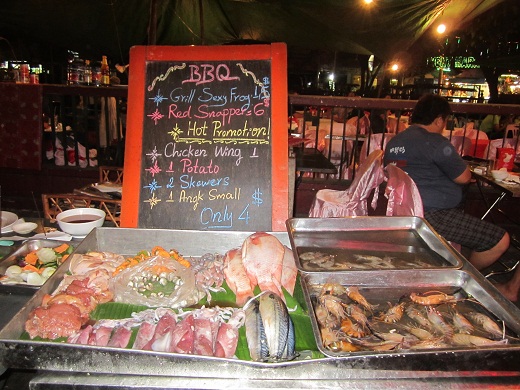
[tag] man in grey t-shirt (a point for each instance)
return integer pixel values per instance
(440, 175)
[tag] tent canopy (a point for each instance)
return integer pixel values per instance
(95, 27)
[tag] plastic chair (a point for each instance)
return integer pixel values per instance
(460, 143)
(404, 198)
(352, 201)
(502, 143)
(403, 195)
(375, 142)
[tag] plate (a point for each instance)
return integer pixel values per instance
(108, 187)
(8, 220)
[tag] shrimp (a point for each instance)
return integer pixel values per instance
(322, 260)
(333, 305)
(416, 315)
(430, 298)
(430, 344)
(385, 345)
(325, 319)
(375, 262)
(353, 293)
(421, 334)
(404, 340)
(328, 336)
(461, 323)
(438, 322)
(488, 324)
(331, 341)
(333, 289)
(357, 315)
(471, 340)
(343, 346)
(351, 328)
(393, 314)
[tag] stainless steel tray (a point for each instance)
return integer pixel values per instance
(361, 243)
(382, 287)
(26, 247)
(63, 357)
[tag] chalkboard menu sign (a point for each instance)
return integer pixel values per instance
(206, 149)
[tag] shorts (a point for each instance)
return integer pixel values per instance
(465, 229)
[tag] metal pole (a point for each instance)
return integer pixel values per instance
(441, 73)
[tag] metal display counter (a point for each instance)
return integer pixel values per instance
(63, 365)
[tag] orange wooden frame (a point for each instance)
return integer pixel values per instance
(140, 55)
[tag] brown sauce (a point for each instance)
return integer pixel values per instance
(80, 218)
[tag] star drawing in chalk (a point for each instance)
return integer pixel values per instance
(154, 170)
(154, 154)
(153, 186)
(153, 201)
(175, 133)
(156, 116)
(158, 98)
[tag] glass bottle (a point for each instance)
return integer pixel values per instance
(105, 71)
(87, 77)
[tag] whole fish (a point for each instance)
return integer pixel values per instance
(289, 352)
(236, 276)
(262, 256)
(275, 318)
(255, 333)
(289, 270)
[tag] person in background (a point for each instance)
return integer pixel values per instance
(341, 114)
(494, 126)
(441, 175)
(378, 121)
(491, 124)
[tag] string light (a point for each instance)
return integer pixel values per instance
(441, 28)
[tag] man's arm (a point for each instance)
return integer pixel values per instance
(464, 177)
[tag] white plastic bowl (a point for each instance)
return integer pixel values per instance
(79, 222)
(499, 174)
(24, 227)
